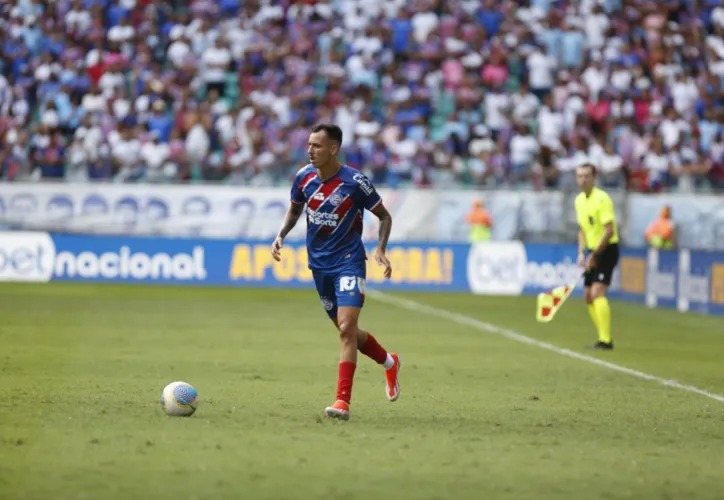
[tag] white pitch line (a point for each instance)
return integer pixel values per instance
(519, 337)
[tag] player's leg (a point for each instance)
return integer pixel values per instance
(602, 279)
(588, 295)
(602, 310)
(368, 345)
(325, 284)
(366, 342)
(349, 289)
(390, 361)
(346, 322)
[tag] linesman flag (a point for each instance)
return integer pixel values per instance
(551, 301)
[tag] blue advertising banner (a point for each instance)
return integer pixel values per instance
(225, 262)
(716, 288)
(629, 279)
(662, 268)
(701, 282)
(688, 281)
(145, 260)
(550, 266)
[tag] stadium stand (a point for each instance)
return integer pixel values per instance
(428, 93)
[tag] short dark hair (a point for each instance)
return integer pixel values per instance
(333, 132)
(594, 172)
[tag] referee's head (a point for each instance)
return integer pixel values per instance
(586, 177)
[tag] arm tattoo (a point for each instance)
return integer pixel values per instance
(384, 232)
(290, 220)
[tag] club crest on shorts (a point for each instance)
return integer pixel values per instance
(335, 199)
(328, 304)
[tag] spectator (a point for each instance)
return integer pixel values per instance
(545, 169)
(525, 105)
(223, 81)
(657, 165)
(661, 233)
(480, 222)
(611, 168)
(523, 151)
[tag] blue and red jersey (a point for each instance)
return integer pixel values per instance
(334, 215)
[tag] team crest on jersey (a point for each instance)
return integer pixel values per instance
(335, 199)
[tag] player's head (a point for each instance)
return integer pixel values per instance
(586, 176)
(324, 144)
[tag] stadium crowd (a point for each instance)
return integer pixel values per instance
(428, 92)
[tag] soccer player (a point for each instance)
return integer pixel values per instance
(336, 196)
(597, 249)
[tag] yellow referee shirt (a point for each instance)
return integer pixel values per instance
(593, 212)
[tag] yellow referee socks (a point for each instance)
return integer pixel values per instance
(603, 318)
(592, 312)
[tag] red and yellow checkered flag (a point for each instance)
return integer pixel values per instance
(549, 302)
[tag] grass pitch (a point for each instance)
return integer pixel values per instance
(480, 416)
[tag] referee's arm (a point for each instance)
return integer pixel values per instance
(596, 252)
(581, 242)
(581, 247)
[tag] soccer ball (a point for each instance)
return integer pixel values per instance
(179, 399)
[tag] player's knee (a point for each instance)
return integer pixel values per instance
(347, 329)
(597, 290)
(588, 295)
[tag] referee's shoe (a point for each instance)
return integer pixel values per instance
(605, 346)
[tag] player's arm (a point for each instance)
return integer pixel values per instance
(581, 248)
(607, 233)
(607, 217)
(290, 220)
(384, 236)
(596, 252)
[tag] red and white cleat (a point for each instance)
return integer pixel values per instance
(393, 384)
(339, 410)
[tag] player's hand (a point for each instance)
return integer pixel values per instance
(276, 249)
(382, 260)
(581, 261)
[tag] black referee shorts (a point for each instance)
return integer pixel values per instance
(605, 264)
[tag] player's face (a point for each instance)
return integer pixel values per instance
(321, 150)
(585, 179)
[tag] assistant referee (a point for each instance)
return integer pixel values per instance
(597, 249)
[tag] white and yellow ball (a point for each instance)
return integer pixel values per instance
(179, 399)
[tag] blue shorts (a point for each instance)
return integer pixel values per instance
(341, 288)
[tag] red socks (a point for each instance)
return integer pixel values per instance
(371, 349)
(374, 350)
(344, 381)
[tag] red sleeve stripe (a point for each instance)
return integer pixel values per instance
(375, 205)
(307, 178)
